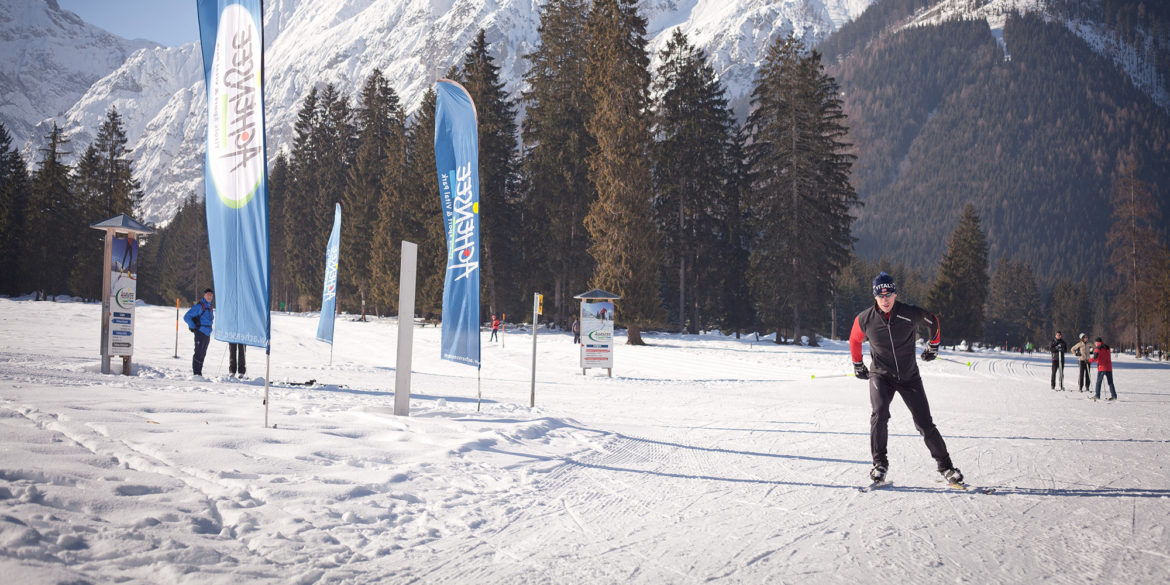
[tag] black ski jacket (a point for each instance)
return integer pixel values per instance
(891, 338)
(1058, 346)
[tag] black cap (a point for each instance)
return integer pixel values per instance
(884, 284)
(207, 290)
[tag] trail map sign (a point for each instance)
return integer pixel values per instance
(119, 288)
(596, 334)
(123, 292)
(597, 316)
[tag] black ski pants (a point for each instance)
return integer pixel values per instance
(1083, 379)
(236, 360)
(881, 394)
(201, 343)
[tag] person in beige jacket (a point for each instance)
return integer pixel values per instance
(1081, 350)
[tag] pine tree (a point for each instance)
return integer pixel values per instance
(410, 210)
(498, 161)
(177, 257)
(693, 178)
(800, 192)
(1135, 249)
(1013, 314)
(104, 187)
(323, 149)
(381, 127)
(625, 246)
(85, 276)
(51, 219)
(302, 182)
(278, 192)
(14, 195)
(1069, 308)
(114, 178)
(557, 189)
(960, 288)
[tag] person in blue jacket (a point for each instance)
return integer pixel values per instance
(199, 319)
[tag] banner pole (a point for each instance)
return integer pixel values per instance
(176, 328)
(478, 387)
(267, 374)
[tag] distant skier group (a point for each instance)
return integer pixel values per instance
(1087, 355)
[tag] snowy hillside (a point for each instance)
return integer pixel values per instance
(50, 59)
(1134, 60)
(159, 91)
(704, 459)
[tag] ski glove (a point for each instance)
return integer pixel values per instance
(930, 352)
(192, 329)
(860, 371)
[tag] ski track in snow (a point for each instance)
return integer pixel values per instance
(704, 459)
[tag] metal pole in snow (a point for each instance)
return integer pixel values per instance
(535, 322)
(176, 328)
(267, 375)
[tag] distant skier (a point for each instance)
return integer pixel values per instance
(1081, 350)
(199, 319)
(237, 360)
(1058, 348)
(495, 329)
(576, 326)
(891, 328)
(1101, 356)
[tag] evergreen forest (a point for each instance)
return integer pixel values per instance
(1002, 189)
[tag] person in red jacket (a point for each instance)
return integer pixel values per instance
(1101, 356)
(495, 329)
(891, 328)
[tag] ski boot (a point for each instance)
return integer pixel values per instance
(878, 473)
(953, 476)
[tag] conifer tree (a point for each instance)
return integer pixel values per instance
(693, 177)
(278, 192)
(381, 128)
(177, 257)
(1135, 249)
(1013, 314)
(114, 177)
(302, 182)
(51, 217)
(410, 210)
(625, 245)
(322, 150)
(1069, 309)
(85, 275)
(104, 187)
(498, 161)
(557, 192)
(800, 192)
(960, 287)
(14, 194)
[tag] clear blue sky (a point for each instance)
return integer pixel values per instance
(169, 22)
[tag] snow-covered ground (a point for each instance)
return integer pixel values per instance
(704, 459)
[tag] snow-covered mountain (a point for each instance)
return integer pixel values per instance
(159, 91)
(50, 58)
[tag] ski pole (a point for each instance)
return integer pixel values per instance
(814, 376)
(968, 364)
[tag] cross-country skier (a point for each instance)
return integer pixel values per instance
(495, 329)
(1058, 348)
(1082, 350)
(1102, 357)
(891, 328)
(199, 319)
